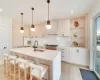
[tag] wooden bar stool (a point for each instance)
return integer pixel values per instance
(24, 69)
(12, 65)
(38, 72)
(6, 64)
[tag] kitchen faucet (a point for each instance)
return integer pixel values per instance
(35, 46)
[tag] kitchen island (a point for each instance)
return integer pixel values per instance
(52, 58)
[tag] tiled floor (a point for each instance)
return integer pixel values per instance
(69, 72)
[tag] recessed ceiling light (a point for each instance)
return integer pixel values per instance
(72, 11)
(1, 10)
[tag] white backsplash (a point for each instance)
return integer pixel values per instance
(51, 40)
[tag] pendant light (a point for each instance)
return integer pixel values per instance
(22, 29)
(32, 26)
(48, 26)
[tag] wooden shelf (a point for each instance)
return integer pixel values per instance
(77, 27)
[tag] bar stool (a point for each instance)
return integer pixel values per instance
(38, 72)
(12, 65)
(6, 64)
(24, 69)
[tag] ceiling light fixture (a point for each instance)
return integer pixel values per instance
(72, 11)
(32, 26)
(1, 10)
(22, 29)
(48, 26)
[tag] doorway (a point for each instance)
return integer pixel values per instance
(3, 43)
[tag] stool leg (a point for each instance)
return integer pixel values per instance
(19, 73)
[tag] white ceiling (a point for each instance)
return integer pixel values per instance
(58, 9)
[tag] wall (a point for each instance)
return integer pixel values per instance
(50, 40)
(17, 37)
(4, 21)
(95, 9)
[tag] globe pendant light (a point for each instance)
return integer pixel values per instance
(48, 26)
(32, 26)
(22, 29)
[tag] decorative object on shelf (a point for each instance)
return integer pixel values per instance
(75, 44)
(29, 43)
(48, 26)
(76, 24)
(32, 26)
(75, 35)
(22, 29)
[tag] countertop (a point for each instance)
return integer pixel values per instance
(46, 54)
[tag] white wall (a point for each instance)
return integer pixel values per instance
(8, 23)
(92, 14)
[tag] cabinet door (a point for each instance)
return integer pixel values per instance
(53, 29)
(79, 56)
(84, 57)
(64, 27)
(74, 55)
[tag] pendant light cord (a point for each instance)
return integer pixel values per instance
(22, 19)
(48, 12)
(48, 1)
(32, 15)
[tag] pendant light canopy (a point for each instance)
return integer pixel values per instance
(22, 29)
(32, 26)
(48, 26)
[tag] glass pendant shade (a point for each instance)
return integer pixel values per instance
(22, 30)
(32, 28)
(48, 26)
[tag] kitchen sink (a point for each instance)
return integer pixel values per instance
(39, 50)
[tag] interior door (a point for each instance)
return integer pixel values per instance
(3, 43)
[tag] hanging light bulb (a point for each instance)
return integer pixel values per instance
(48, 26)
(32, 26)
(22, 29)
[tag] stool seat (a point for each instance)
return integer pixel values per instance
(23, 66)
(38, 70)
(5, 54)
(36, 73)
(21, 60)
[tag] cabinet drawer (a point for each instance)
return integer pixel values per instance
(66, 55)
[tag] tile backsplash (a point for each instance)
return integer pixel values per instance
(50, 40)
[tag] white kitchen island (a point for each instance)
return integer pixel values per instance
(52, 58)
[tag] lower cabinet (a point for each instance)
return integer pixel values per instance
(76, 55)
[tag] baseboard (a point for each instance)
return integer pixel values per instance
(77, 64)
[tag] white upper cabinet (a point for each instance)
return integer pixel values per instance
(53, 29)
(60, 27)
(64, 27)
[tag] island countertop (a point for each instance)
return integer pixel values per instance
(46, 54)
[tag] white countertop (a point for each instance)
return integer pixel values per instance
(46, 55)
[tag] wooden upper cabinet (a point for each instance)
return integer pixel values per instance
(64, 27)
